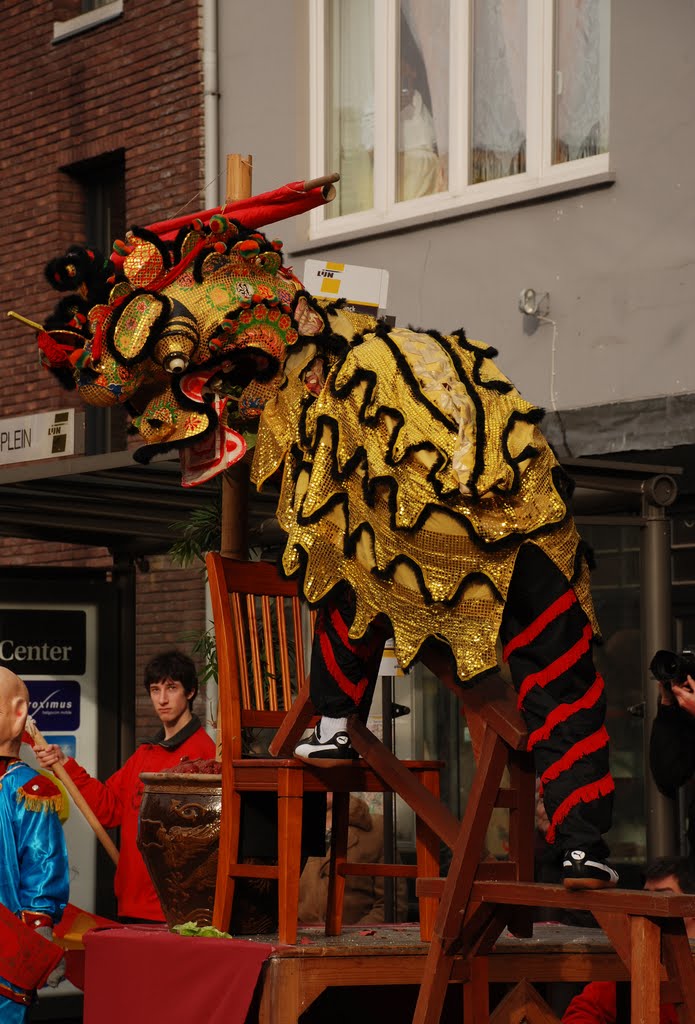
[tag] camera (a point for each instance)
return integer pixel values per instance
(669, 667)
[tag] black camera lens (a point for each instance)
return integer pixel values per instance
(664, 666)
(669, 667)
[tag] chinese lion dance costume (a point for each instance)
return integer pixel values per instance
(417, 492)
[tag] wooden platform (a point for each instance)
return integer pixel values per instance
(364, 975)
(293, 977)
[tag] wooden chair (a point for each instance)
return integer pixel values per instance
(498, 735)
(261, 669)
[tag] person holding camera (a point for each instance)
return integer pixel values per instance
(672, 740)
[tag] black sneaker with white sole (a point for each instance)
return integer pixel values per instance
(326, 753)
(582, 871)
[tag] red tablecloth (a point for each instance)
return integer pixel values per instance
(139, 975)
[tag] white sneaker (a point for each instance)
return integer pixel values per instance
(580, 871)
(326, 753)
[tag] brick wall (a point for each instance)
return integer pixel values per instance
(170, 611)
(132, 84)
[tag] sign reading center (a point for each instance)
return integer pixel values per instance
(41, 436)
(43, 642)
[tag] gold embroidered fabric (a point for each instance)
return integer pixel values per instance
(415, 475)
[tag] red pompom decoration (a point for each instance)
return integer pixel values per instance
(218, 224)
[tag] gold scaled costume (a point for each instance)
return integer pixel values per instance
(413, 470)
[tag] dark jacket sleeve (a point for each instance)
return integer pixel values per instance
(672, 749)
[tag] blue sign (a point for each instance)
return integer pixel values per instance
(55, 704)
(68, 744)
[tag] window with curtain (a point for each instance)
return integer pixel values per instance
(423, 98)
(425, 105)
(499, 61)
(349, 89)
(580, 121)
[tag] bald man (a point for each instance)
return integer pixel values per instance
(34, 880)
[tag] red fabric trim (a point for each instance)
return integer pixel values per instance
(557, 667)
(98, 337)
(25, 998)
(56, 354)
(584, 795)
(34, 919)
(359, 647)
(174, 272)
(353, 690)
(171, 274)
(254, 212)
(26, 957)
(584, 747)
(97, 341)
(564, 711)
(40, 787)
(535, 628)
(75, 923)
(341, 629)
(5, 763)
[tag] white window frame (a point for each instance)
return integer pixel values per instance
(63, 30)
(541, 175)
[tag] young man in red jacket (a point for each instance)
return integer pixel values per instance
(596, 1004)
(172, 683)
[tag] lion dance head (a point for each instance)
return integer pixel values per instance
(191, 334)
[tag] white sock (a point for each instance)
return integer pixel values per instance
(328, 727)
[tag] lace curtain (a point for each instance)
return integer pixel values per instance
(423, 126)
(498, 130)
(350, 103)
(581, 102)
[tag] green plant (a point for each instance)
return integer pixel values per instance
(203, 646)
(198, 534)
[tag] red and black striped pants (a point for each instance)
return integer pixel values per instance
(547, 641)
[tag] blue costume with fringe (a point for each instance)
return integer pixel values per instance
(34, 877)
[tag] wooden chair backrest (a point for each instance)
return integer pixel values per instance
(261, 661)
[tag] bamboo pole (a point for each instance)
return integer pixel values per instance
(235, 480)
(325, 181)
(79, 801)
(23, 320)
